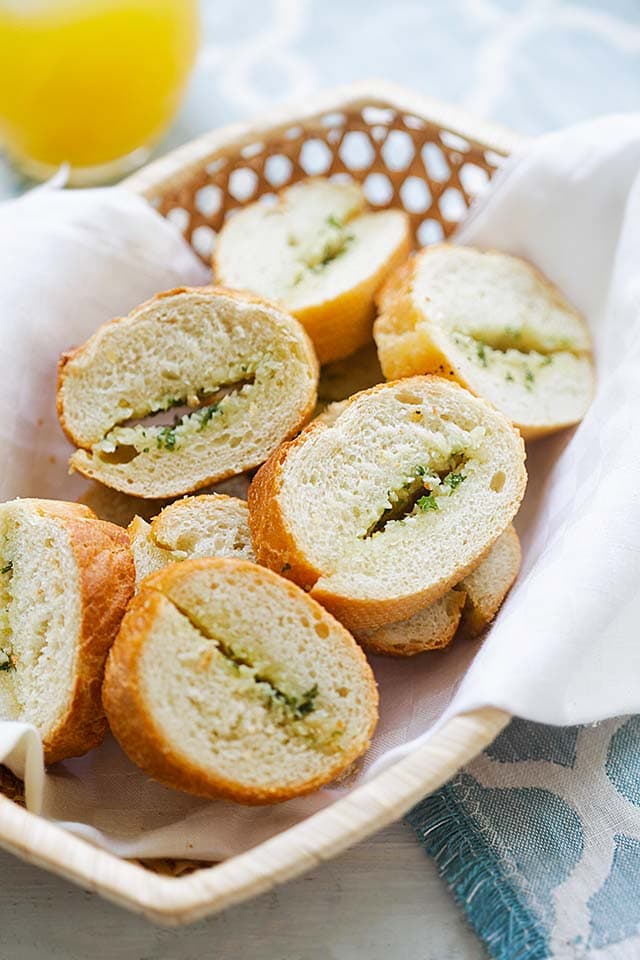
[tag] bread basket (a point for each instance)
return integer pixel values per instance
(409, 152)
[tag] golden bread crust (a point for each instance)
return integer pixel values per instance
(476, 617)
(106, 582)
(380, 642)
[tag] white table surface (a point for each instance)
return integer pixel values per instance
(530, 64)
(382, 899)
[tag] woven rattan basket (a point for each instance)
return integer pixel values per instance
(410, 152)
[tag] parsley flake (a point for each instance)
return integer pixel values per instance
(454, 480)
(205, 414)
(167, 438)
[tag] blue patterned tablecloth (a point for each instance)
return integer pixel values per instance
(539, 841)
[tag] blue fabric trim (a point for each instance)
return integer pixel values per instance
(477, 880)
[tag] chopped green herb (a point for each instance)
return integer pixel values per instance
(330, 253)
(482, 355)
(145, 449)
(300, 706)
(298, 278)
(8, 568)
(509, 376)
(454, 480)
(420, 471)
(306, 703)
(529, 379)
(427, 503)
(547, 360)
(167, 438)
(513, 333)
(334, 222)
(205, 414)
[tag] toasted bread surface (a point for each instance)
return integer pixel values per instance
(464, 611)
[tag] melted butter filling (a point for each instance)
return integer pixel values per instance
(298, 712)
(170, 422)
(421, 491)
(514, 354)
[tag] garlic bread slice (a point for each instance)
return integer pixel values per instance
(228, 681)
(497, 326)
(383, 511)
(321, 252)
(464, 611)
(487, 586)
(193, 386)
(65, 581)
(210, 525)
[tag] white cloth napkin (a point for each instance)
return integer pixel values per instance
(565, 647)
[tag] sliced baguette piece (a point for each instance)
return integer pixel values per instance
(382, 512)
(432, 628)
(228, 681)
(65, 581)
(211, 525)
(464, 611)
(322, 253)
(488, 585)
(496, 325)
(242, 371)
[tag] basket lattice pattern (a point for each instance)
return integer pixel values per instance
(402, 160)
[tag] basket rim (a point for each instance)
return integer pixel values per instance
(176, 167)
(173, 901)
(383, 798)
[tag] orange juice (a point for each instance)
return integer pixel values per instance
(91, 82)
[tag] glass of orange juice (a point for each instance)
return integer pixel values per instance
(91, 83)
